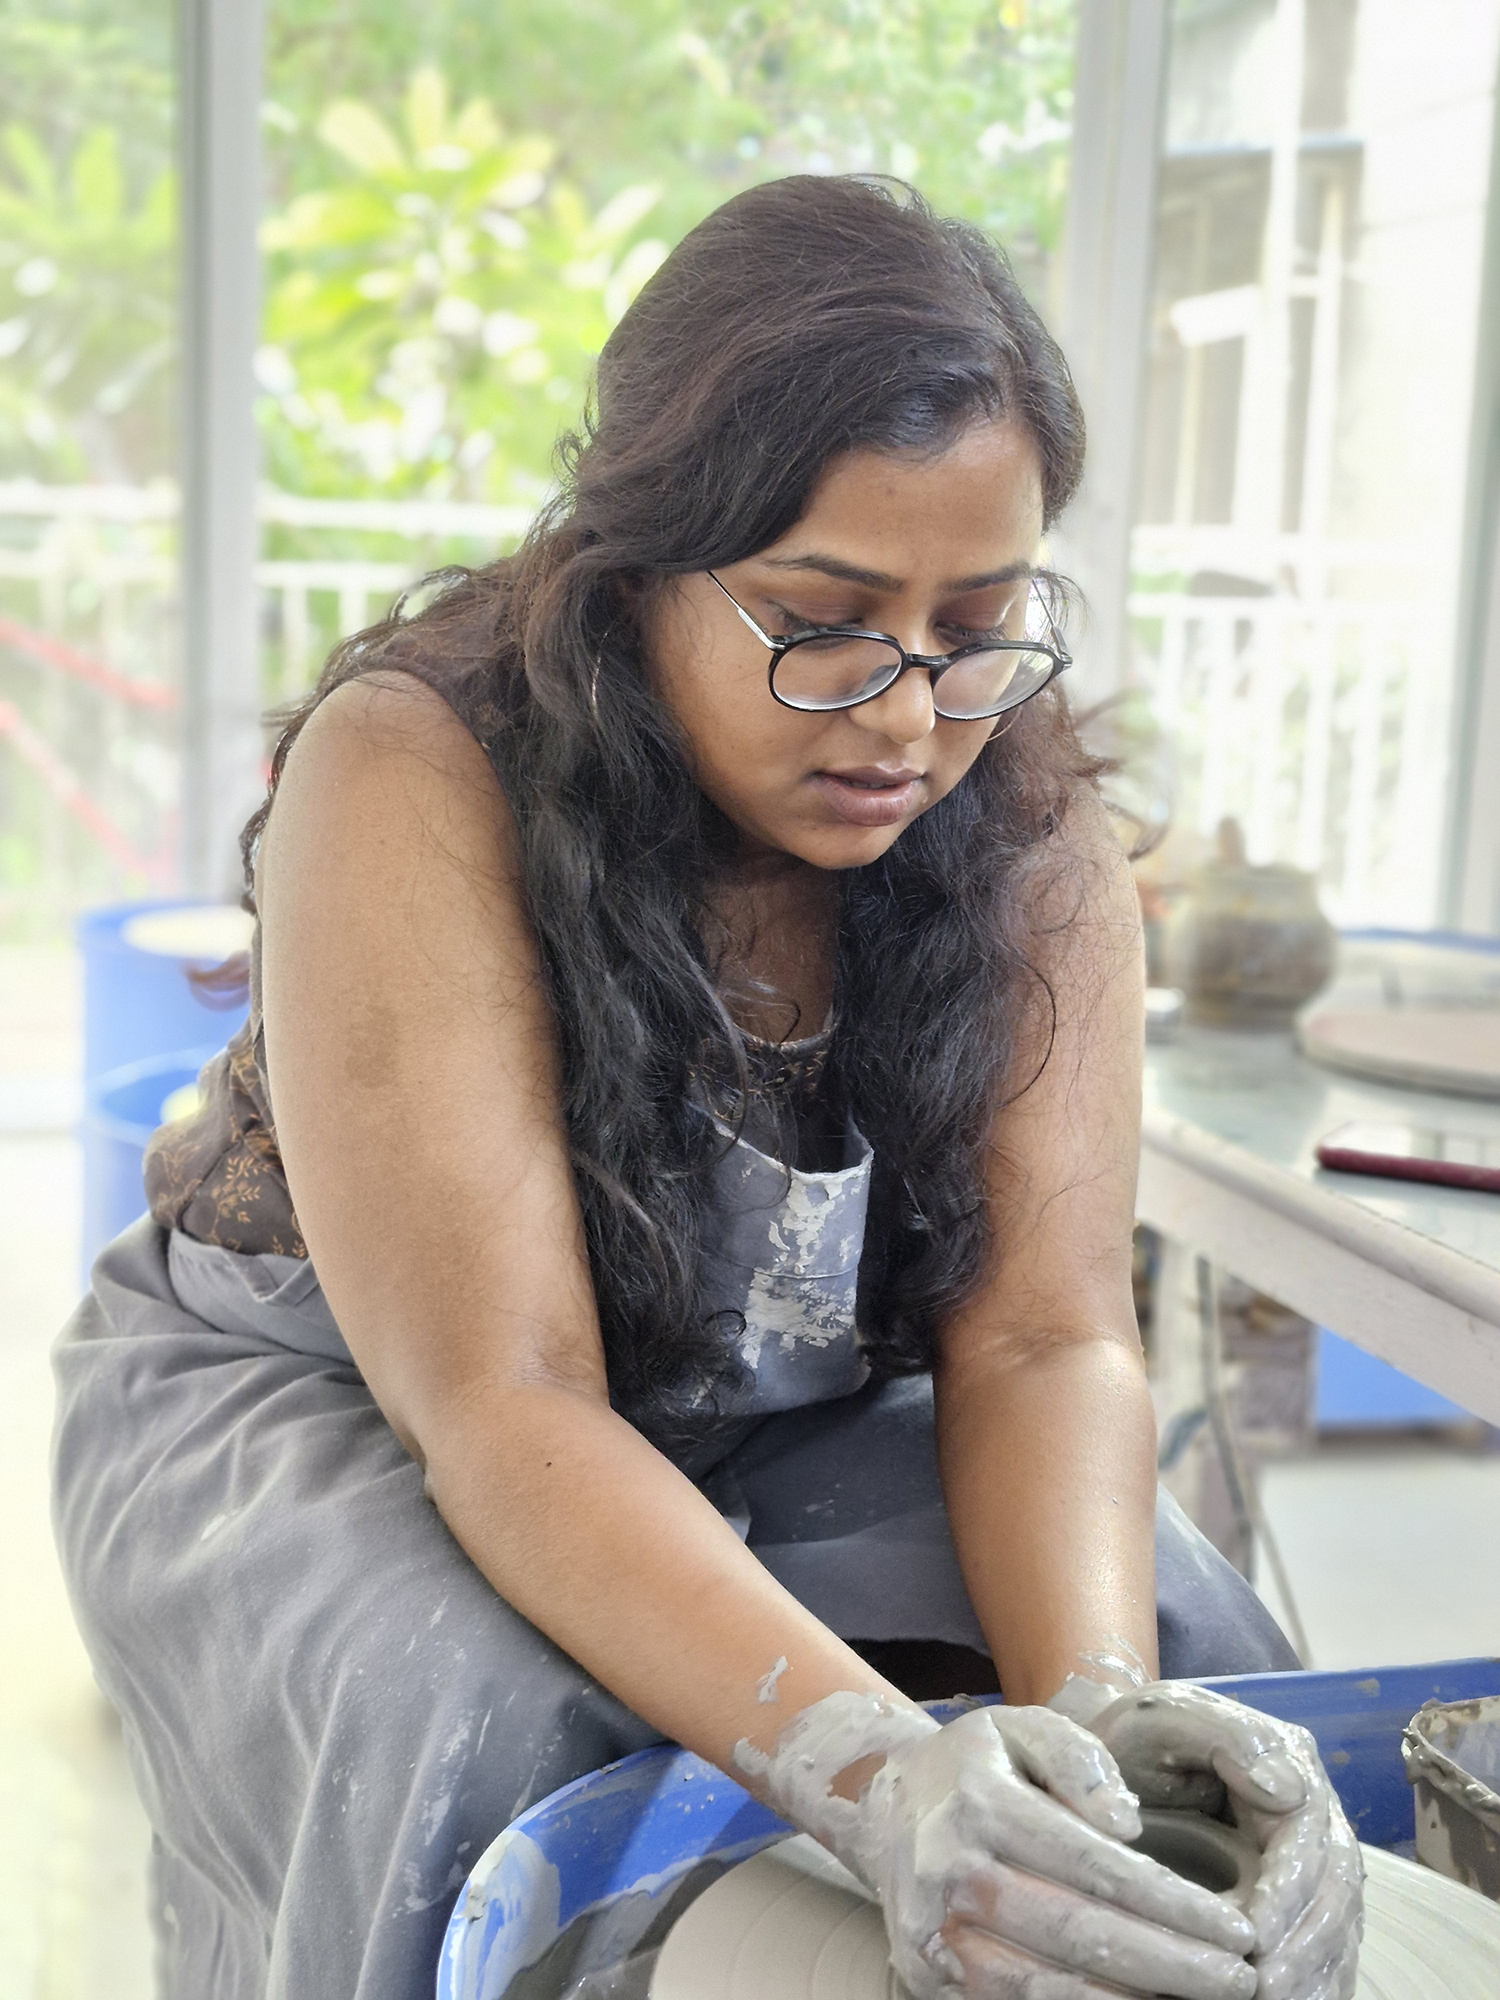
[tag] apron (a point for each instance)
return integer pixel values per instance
(328, 1711)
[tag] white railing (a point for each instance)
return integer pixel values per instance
(418, 519)
(116, 540)
(1307, 713)
(88, 637)
(1304, 712)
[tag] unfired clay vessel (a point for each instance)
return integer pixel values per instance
(1248, 945)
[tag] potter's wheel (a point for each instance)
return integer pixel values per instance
(791, 1924)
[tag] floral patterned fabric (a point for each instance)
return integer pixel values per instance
(217, 1175)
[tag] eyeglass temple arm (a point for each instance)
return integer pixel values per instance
(764, 637)
(1059, 649)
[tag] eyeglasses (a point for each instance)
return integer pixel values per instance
(839, 666)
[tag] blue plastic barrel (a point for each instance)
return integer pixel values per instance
(1359, 1391)
(121, 1110)
(141, 1003)
(640, 1827)
(147, 1029)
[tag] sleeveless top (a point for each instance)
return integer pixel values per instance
(780, 1251)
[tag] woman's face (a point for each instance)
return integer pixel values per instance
(926, 548)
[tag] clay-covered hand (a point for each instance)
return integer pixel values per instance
(1180, 1745)
(995, 1845)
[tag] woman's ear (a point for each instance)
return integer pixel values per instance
(635, 588)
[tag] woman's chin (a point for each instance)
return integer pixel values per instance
(824, 842)
(847, 846)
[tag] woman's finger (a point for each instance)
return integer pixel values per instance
(1072, 1765)
(1282, 1779)
(1018, 1824)
(1345, 1975)
(991, 1968)
(1295, 1850)
(1058, 1925)
(1173, 1726)
(1309, 1962)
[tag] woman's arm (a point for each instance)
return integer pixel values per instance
(1046, 1435)
(414, 1076)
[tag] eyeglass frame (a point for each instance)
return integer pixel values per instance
(933, 663)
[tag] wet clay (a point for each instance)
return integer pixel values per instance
(1183, 1745)
(765, 1690)
(965, 1804)
(1452, 1756)
(790, 1924)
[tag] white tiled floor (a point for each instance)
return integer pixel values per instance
(1391, 1552)
(72, 1835)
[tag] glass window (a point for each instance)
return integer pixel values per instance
(88, 775)
(1320, 233)
(460, 200)
(461, 203)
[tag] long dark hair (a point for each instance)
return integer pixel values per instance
(807, 317)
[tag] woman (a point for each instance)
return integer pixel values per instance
(686, 1274)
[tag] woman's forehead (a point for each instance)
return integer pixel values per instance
(958, 518)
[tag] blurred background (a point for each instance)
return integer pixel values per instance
(1266, 231)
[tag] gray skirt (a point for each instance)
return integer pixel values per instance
(328, 1710)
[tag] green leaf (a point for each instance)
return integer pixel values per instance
(427, 109)
(477, 127)
(29, 158)
(354, 131)
(618, 217)
(334, 218)
(158, 212)
(98, 184)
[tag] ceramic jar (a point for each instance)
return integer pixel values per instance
(1248, 945)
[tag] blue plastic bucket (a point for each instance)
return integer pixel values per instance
(121, 1110)
(139, 1003)
(637, 1831)
(143, 1020)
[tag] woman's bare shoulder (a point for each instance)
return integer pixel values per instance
(384, 763)
(390, 717)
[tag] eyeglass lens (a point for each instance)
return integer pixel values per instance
(833, 672)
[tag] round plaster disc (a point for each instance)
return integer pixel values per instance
(211, 931)
(1451, 1049)
(791, 1924)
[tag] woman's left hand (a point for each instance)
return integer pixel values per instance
(1181, 1745)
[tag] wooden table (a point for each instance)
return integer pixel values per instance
(1408, 1272)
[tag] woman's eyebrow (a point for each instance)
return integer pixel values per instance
(875, 579)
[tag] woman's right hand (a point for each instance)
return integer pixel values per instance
(995, 1846)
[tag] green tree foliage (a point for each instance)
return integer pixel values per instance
(87, 238)
(434, 312)
(969, 97)
(69, 65)
(435, 336)
(87, 333)
(441, 269)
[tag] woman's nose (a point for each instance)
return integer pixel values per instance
(904, 713)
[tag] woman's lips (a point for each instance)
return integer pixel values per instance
(869, 798)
